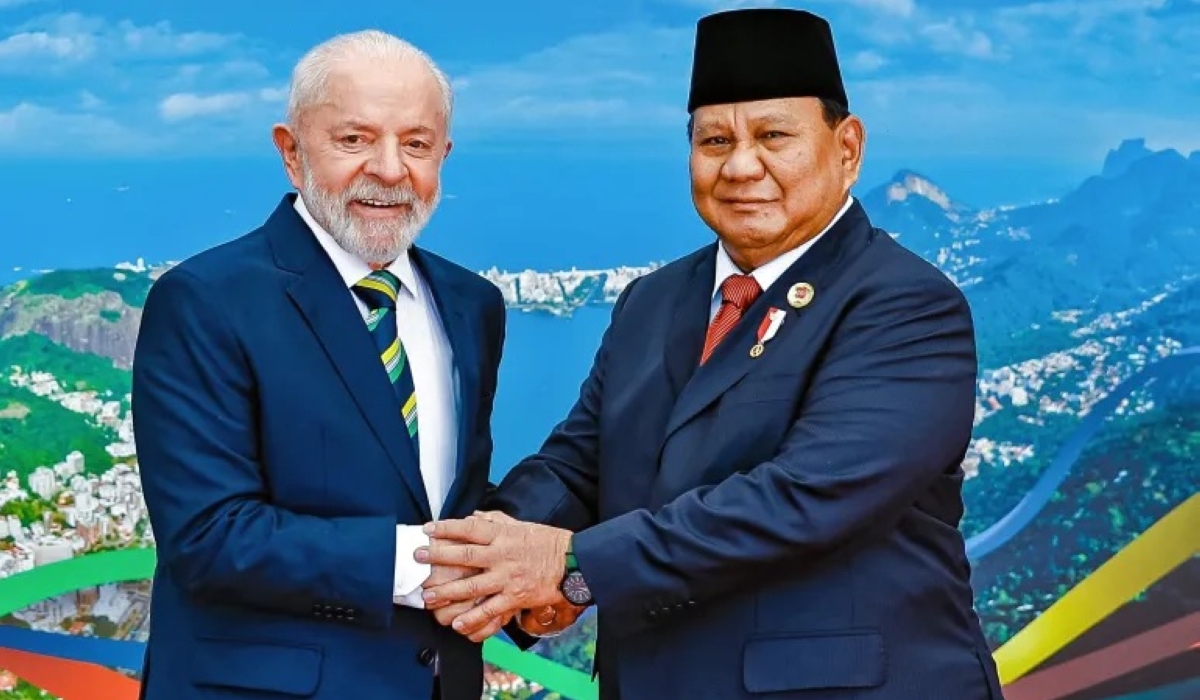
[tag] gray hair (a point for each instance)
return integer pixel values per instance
(311, 74)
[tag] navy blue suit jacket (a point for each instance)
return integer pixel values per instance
(276, 467)
(785, 524)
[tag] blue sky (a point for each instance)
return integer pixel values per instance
(1001, 102)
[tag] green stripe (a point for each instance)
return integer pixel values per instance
(376, 316)
(40, 583)
(401, 357)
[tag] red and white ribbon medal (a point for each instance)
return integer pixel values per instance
(767, 329)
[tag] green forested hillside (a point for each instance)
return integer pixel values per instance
(75, 371)
(72, 284)
(35, 432)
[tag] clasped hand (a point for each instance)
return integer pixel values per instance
(488, 568)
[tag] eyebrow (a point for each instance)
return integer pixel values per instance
(354, 124)
(774, 119)
(359, 125)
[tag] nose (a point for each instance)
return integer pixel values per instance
(743, 164)
(386, 163)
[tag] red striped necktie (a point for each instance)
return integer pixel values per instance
(738, 292)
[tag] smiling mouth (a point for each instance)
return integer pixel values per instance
(376, 203)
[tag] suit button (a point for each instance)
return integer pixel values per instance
(425, 657)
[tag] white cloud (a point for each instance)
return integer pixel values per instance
(47, 43)
(902, 8)
(950, 37)
(927, 79)
(910, 118)
(160, 39)
(273, 94)
(866, 62)
(89, 102)
(186, 105)
(42, 45)
(28, 128)
(108, 80)
(636, 77)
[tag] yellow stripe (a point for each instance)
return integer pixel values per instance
(392, 351)
(1164, 547)
(409, 405)
(378, 286)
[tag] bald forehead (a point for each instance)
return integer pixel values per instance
(401, 73)
(382, 90)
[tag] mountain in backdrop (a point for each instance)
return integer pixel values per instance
(1121, 238)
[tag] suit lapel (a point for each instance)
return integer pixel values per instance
(731, 360)
(685, 337)
(328, 307)
(451, 300)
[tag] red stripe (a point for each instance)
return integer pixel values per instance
(67, 679)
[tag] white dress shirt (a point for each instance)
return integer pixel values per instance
(767, 274)
(429, 352)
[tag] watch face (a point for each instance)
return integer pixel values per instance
(575, 589)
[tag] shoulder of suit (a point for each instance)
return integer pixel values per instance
(472, 281)
(232, 260)
(675, 271)
(888, 263)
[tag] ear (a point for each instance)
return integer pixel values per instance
(851, 136)
(289, 150)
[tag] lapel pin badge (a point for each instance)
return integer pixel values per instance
(800, 295)
(767, 330)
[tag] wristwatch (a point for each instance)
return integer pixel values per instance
(573, 587)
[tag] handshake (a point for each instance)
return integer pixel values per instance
(489, 568)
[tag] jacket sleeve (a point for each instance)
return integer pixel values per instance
(219, 535)
(890, 409)
(559, 484)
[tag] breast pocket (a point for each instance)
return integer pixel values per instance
(267, 669)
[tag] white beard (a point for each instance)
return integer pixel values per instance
(373, 241)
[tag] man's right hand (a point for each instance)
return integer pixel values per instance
(440, 574)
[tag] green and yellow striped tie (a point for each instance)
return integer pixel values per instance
(379, 291)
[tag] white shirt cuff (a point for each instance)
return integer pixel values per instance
(410, 574)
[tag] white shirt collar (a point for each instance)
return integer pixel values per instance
(351, 268)
(768, 273)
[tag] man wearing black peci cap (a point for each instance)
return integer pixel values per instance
(759, 487)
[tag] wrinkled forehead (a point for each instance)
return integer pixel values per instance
(383, 95)
(781, 112)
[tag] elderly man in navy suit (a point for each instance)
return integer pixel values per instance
(759, 487)
(306, 397)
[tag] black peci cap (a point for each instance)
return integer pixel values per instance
(762, 54)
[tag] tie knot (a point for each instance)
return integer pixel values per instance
(740, 290)
(378, 289)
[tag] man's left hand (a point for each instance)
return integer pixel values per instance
(521, 566)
